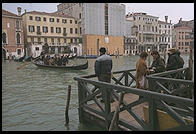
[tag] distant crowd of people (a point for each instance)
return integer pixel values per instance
(56, 60)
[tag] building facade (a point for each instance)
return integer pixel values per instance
(98, 20)
(165, 35)
(183, 39)
(51, 32)
(183, 33)
(12, 35)
(147, 31)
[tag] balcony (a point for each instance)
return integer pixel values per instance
(38, 33)
(64, 34)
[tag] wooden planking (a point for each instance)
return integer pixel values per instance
(128, 98)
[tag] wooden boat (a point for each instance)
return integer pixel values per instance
(73, 67)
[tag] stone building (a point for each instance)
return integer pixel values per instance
(130, 40)
(183, 39)
(51, 32)
(147, 31)
(183, 33)
(12, 35)
(101, 23)
(165, 35)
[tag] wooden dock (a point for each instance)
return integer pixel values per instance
(164, 101)
(123, 115)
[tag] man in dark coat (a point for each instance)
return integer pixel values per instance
(172, 62)
(103, 68)
(158, 64)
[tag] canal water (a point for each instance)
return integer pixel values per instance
(34, 99)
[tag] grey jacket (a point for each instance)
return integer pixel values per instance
(103, 65)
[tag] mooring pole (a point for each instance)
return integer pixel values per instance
(164, 55)
(67, 105)
(148, 58)
(191, 63)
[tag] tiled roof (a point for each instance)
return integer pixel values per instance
(4, 12)
(50, 14)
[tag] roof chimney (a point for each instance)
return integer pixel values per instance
(166, 17)
(19, 10)
(180, 20)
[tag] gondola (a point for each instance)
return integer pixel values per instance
(73, 67)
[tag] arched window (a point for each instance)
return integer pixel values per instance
(18, 38)
(4, 38)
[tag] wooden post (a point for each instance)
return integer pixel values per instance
(148, 58)
(164, 55)
(114, 122)
(67, 105)
(107, 94)
(191, 63)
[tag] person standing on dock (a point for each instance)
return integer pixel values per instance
(158, 64)
(174, 60)
(142, 71)
(103, 67)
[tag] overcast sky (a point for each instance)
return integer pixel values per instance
(174, 11)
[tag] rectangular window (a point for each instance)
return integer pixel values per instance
(36, 48)
(45, 29)
(38, 18)
(71, 30)
(51, 19)
(64, 21)
(76, 22)
(64, 30)
(58, 40)
(70, 21)
(76, 31)
(52, 40)
(57, 20)
(52, 29)
(31, 28)
(39, 40)
(45, 40)
(38, 30)
(44, 19)
(71, 40)
(30, 17)
(19, 51)
(32, 40)
(64, 40)
(17, 24)
(58, 30)
(80, 30)
(80, 16)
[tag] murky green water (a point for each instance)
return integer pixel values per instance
(34, 99)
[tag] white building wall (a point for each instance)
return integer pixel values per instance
(128, 25)
(116, 19)
(93, 18)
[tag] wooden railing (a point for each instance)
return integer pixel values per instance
(123, 82)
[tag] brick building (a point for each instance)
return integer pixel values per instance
(12, 35)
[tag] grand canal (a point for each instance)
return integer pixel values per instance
(34, 99)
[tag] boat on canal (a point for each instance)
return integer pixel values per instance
(72, 66)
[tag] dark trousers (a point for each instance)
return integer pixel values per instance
(105, 78)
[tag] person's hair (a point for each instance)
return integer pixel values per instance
(102, 50)
(143, 54)
(155, 52)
